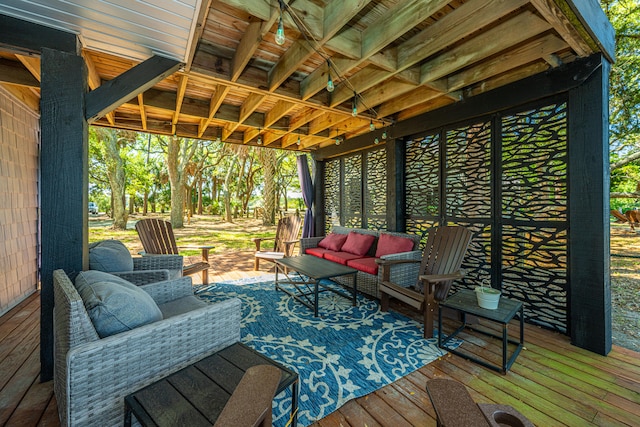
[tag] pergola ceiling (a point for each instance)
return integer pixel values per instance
(400, 58)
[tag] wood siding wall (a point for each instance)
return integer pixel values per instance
(18, 201)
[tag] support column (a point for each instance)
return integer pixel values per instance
(396, 206)
(64, 182)
(318, 198)
(590, 285)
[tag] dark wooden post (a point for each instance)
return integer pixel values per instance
(396, 219)
(318, 198)
(64, 181)
(590, 304)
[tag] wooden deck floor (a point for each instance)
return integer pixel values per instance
(552, 382)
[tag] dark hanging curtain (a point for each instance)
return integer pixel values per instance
(306, 186)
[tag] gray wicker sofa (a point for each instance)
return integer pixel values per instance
(92, 375)
(403, 274)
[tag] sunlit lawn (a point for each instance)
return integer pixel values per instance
(199, 230)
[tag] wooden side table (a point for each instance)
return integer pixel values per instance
(196, 395)
(465, 302)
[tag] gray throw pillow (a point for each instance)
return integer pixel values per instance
(115, 305)
(111, 256)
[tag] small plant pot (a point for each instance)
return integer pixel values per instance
(487, 297)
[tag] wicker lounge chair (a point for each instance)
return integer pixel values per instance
(157, 238)
(92, 375)
(283, 243)
(440, 266)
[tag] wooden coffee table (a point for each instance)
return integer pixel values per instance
(196, 395)
(310, 270)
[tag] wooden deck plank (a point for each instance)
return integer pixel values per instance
(552, 382)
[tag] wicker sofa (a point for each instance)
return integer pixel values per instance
(368, 283)
(92, 375)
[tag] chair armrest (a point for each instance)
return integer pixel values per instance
(101, 373)
(204, 249)
(401, 268)
(169, 290)
(437, 278)
(143, 277)
(309, 242)
(258, 241)
(157, 262)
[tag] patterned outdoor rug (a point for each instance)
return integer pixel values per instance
(344, 353)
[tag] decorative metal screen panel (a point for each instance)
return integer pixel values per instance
(331, 194)
(534, 266)
(534, 212)
(477, 263)
(422, 184)
(352, 193)
(376, 190)
(468, 182)
(534, 164)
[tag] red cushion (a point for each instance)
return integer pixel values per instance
(390, 244)
(366, 265)
(358, 244)
(333, 241)
(340, 257)
(319, 252)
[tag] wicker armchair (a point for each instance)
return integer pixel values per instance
(92, 375)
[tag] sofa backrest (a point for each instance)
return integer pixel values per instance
(372, 251)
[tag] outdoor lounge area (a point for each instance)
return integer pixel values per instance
(415, 115)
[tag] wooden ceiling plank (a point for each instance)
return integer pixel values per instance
(506, 78)
(305, 117)
(363, 80)
(277, 112)
(386, 91)
(13, 73)
(325, 121)
(336, 15)
(249, 134)
(537, 49)
(550, 12)
(509, 33)
(246, 48)
(348, 43)
(182, 87)
(31, 63)
(430, 105)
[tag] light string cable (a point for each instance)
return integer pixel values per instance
(317, 47)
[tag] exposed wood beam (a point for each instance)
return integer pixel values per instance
(337, 14)
(13, 73)
(250, 104)
(506, 78)
(182, 87)
(509, 33)
(31, 63)
(94, 81)
(417, 96)
(525, 54)
(277, 112)
(247, 47)
(325, 121)
(21, 36)
(25, 95)
(205, 6)
(117, 91)
(594, 22)
(143, 113)
(214, 105)
(549, 10)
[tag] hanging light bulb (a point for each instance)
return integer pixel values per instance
(330, 85)
(218, 140)
(298, 141)
(337, 141)
(384, 135)
(259, 140)
(280, 31)
(372, 127)
(354, 106)
(376, 141)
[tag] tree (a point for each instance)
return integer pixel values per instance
(268, 160)
(624, 100)
(180, 151)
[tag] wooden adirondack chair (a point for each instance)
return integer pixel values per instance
(158, 239)
(287, 235)
(440, 266)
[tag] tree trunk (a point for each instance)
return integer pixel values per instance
(268, 158)
(179, 153)
(117, 178)
(228, 214)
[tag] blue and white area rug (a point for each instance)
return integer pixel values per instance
(344, 353)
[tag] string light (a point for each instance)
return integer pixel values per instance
(280, 31)
(384, 135)
(330, 86)
(372, 127)
(298, 141)
(376, 141)
(337, 141)
(354, 106)
(259, 137)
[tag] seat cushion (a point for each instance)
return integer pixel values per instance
(181, 305)
(358, 244)
(390, 244)
(340, 257)
(333, 241)
(366, 265)
(319, 252)
(110, 256)
(115, 305)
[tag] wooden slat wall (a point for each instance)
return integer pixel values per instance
(18, 201)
